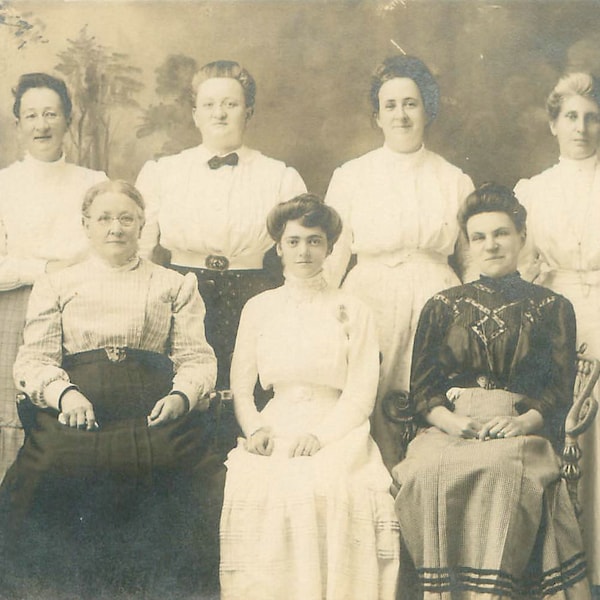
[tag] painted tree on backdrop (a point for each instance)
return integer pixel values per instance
(173, 115)
(103, 86)
(22, 26)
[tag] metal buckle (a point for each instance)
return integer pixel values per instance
(217, 262)
(116, 354)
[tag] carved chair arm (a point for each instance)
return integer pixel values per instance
(398, 408)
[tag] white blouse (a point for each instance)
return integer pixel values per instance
(563, 215)
(92, 305)
(40, 217)
(307, 333)
(195, 211)
(392, 204)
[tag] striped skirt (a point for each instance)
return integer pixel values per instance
(13, 306)
(489, 517)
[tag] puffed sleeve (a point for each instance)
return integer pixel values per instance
(529, 258)
(193, 359)
(37, 369)
(292, 185)
(149, 185)
(244, 369)
(428, 379)
(339, 195)
(554, 376)
(356, 402)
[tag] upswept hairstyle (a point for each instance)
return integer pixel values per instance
(231, 69)
(117, 186)
(492, 197)
(311, 211)
(30, 81)
(572, 84)
(410, 67)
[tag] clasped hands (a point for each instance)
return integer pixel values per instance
(499, 427)
(78, 411)
(262, 442)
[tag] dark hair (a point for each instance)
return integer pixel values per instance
(573, 84)
(30, 81)
(231, 69)
(412, 68)
(492, 197)
(117, 186)
(311, 211)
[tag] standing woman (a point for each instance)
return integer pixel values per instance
(40, 224)
(563, 252)
(398, 204)
(208, 205)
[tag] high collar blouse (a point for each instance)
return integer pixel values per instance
(92, 305)
(503, 333)
(40, 216)
(306, 333)
(392, 203)
(193, 209)
(563, 213)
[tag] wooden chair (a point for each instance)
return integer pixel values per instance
(398, 408)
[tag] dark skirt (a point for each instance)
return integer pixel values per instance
(123, 510)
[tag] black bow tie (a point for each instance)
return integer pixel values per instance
(216, 162)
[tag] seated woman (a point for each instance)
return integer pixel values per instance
(307, 512)
(482, 509)
(115, 357)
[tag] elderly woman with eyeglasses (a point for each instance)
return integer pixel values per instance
(40, 230)
(116, 362)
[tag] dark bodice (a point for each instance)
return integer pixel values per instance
(496, 333)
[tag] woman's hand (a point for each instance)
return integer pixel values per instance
(261, 442)
(77, 411)
(508, 427)
(306, 445)
(452, 424)
(167, 409)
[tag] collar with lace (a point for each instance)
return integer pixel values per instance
(512, 285)
(300, 287)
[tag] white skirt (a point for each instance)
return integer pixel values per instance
(308, 528)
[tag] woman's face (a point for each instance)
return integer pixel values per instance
(42, 123)
(402, 116)
(303, 249)
(494, 243)
(221, 114)
(577, 127)
(113, 227)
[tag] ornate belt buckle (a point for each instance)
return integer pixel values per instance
(216, 262)
(116, 354)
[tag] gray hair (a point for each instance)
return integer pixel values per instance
(572, 84)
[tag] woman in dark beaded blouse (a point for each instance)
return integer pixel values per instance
(482, 509)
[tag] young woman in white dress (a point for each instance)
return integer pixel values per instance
(563, 251)
(398, 204)
(307, 513)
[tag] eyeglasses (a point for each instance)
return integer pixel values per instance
(48, 115)
(125, 220)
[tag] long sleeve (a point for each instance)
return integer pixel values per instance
(428, 381)
(555, 371)
(193, 359)
(37, 369)
(16, 272)
(356, 402)
(244, 371)
(339, 196)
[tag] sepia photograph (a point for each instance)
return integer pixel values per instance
(299, 299)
